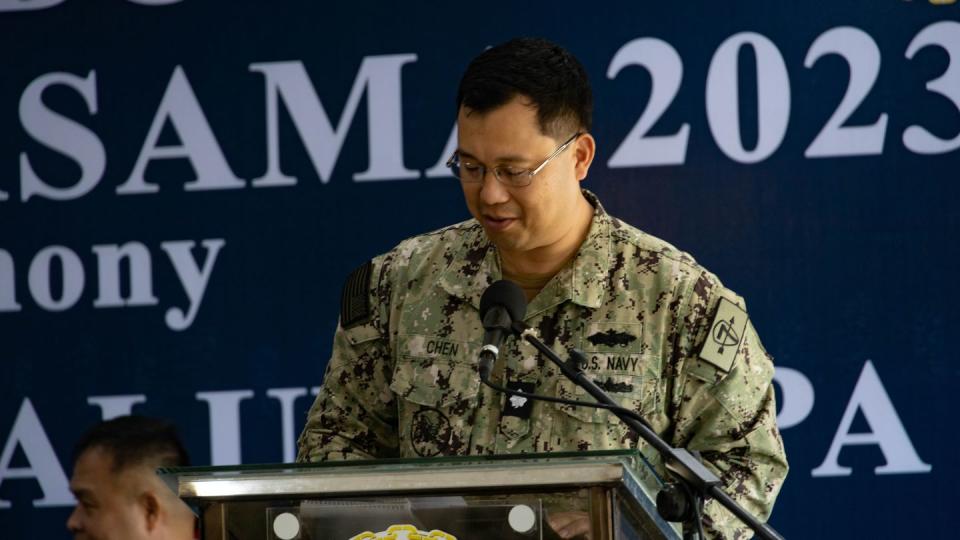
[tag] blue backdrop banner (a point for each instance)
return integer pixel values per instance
(184, 185)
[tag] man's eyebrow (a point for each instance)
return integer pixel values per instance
(81, 492)
(463, 153)
(502, 159)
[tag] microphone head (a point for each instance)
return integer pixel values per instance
(507, 294)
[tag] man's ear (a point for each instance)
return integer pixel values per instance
(585, 148)
(150, 506)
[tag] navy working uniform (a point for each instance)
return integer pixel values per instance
(660, 334)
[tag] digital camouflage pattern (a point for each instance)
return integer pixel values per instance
(404, 382)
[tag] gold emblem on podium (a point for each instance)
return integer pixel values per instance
(404, 532)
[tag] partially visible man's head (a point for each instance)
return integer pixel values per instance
(118, 492)
(552, 80)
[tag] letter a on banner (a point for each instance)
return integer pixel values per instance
(886, 431)
(198, 143)
(28, 433)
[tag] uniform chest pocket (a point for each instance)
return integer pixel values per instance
(636, 392)
(434, 383)
(435, 372)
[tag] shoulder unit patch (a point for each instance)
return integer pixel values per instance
(355, 297)
(726, 333)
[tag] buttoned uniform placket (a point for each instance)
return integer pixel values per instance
(581, 284)
(517, 413)
(556, 309)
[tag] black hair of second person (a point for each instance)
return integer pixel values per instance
(136, 440)
(553, 79)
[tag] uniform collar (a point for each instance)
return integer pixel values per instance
(474, 266)
(584, 281)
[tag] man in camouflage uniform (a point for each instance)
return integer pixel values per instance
(660, 333)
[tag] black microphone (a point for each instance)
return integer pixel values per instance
(501, 304)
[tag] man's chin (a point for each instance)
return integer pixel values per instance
(505, 240)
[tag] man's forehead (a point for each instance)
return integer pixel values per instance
(95, 466)
(94, 458)
(510, 132)
(515, 109)
(96, 481)
(90, 478)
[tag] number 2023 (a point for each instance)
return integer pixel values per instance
(835, 139)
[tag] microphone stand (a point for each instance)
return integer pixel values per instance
(696, 481)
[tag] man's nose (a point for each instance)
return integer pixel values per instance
(73, 522)
(492, 191)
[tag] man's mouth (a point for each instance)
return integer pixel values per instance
(497, 223)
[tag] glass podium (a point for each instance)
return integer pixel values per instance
(503, 497)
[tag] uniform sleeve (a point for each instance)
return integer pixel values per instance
(354, 415)
(728, 412)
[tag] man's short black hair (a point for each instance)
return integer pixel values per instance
(546, 73)
(136, 440)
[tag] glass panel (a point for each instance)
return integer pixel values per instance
(630, 523)
(517, 516)
(599, 493)
(635, 514)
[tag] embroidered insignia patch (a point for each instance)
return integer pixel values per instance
(355, 297)
(430, 432)
(726, 333)
(611, 337)
(613, 386)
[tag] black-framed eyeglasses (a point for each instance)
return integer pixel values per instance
(509, 175)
